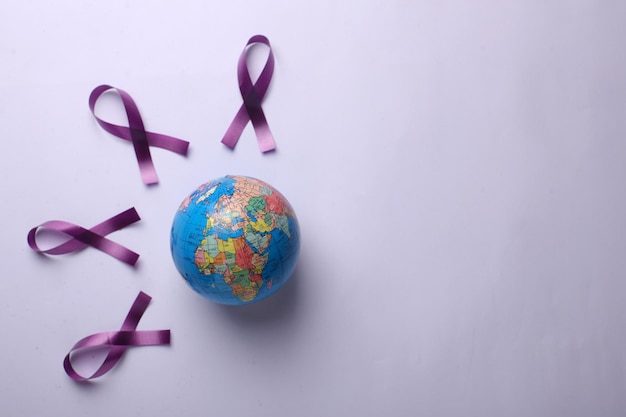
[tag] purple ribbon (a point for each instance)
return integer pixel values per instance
(117, 342)
(81, 237)
(252, 95)
(141, 139)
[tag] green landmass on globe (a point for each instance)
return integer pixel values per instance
(235, 240)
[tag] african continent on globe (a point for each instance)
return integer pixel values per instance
(235, 240)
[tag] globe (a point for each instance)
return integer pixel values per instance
(235, 240)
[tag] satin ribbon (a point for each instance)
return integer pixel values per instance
(252, 94)
(117, 342)
(81, 237)
(141, 139)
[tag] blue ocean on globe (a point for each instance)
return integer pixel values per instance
(235, 240)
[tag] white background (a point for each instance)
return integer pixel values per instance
(457, 168)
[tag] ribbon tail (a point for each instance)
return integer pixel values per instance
(265, 139)
(234, 131)
(169, 143)
(147, 171)
(262, 129)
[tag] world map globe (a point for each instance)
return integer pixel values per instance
(235, 240)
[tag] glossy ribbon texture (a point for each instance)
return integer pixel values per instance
(252, 95)
(94, 237)
(117, 342)
(135, 133)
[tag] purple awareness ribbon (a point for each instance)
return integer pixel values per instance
(117, 342)
(252, 95)
(81, 237)
(136, 133)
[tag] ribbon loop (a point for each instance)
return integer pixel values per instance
(252, 94)
(136, 133)
(117, 342)
(94, 237)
